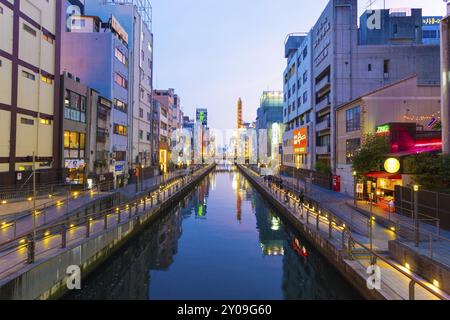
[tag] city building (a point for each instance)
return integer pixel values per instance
(404, 110)
(75, 128)
(135, 21)
(165, 100)
(29, 93)
(348, 62)
(200, 134)
(445, 72)
(298, 111)
(99, 138)
(107, 73)
(269, 115)
(431, 30)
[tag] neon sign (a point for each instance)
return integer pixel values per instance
(383, 129)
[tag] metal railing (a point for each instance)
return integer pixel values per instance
(23, 250)
(312, 213)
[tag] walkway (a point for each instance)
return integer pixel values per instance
(15, 258)
(395, 283)
(14, 225)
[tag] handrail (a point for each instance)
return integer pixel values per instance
(413, 278)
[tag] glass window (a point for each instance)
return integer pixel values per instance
(120, 130)
(353, 119)
(120, 105)
(74, 142)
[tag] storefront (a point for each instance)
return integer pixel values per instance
(74, 162)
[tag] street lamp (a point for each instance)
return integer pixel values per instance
(416, 214)
(354, 188)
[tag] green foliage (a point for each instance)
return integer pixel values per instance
(432, 172)
(323, 167)
(371, 155)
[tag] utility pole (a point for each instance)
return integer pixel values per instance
(34, 196)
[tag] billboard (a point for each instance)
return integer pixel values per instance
(116, 26)
(301, 141)
(202, 117)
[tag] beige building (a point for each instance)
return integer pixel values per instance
(29, 113)
(405, 101)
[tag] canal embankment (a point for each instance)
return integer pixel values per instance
(346, 249)
(88, 241)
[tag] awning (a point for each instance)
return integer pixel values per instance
(384, 175)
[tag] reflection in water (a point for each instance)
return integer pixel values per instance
(221, 242)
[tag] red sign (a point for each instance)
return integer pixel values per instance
(301, 141)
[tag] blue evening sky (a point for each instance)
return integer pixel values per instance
(215, 51)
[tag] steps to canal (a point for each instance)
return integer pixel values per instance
(38, 270)
(346, 247)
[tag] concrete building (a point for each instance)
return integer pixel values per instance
(135, 18)
(269, 113)
(29, 92)
(99, 138)
(165, 100)
(75, 128)
(344, 69)
(445, 72)
(403, 102)
(108, 73)
(298, 113)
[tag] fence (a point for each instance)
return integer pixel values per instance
(310, 212)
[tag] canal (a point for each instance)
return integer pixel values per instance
(224, 241)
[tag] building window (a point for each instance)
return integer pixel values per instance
(351, 147)
(141, 113)
(28, 75)
(369, 67)
(353, 119)
(74, 144)
(141, 135)
(430, 34)
(305, 53)
(121, 57)
(305, 97)
(48, 38)
(120, 156)
(386, 67)
(74, 107)
(29, 29)
(121, 81)
(148, 136)
(149, 116)
(45, 122)
(28, 122)
(46, 80)
(120, 105)
(305, 77)
(1, 10)
(120, 130)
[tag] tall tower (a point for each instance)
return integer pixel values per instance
(239, 114)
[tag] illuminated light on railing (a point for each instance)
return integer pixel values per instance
(47, 234)
(436, 283)
(50, 196)
(393, 229)
(72, 225)
(4, 202)
(407, 266)
(30, 198)
(22, 241)
(75, 194)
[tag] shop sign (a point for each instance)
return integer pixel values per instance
(301, 141)
(119, 168)
(383, 129)
(74, 164)
(392, 165)
(115, 25)
(360, 188)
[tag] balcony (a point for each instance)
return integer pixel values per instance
(323, 84)
(323, 150)
(323, 104)
(324, 125)
(102, 135)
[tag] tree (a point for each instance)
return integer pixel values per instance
(370, 156)
(431, 171)
(323, 167)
